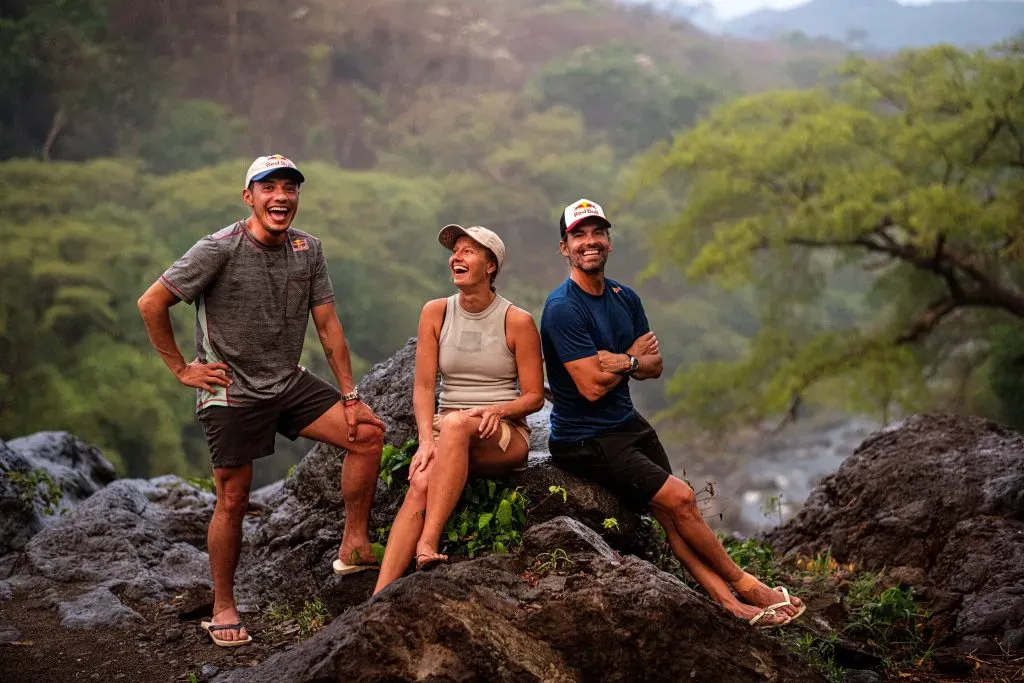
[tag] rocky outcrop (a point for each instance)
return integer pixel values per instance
(30, 467)
(593, 616)
(140, 538)
(939, 501)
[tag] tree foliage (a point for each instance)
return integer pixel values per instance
(906, 175)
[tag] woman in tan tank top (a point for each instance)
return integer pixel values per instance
(488, 353)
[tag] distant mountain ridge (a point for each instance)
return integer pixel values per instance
(888, 25)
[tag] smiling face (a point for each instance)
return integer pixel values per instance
(587, 246)
(274, 201)
(470, 263)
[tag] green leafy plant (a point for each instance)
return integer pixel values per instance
(893, 621)
(611, 524)
(486, 520)
(37, 484)
(752, 556)
(819, 652)
(553, 491)
(772, 505)
(203, 483)
(394, 459)
(313, 617)
(555, 561)
(310, 619)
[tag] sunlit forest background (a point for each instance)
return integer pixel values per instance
(812, 226)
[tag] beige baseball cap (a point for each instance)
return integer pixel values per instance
(450, 233)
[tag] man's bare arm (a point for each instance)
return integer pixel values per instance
(332, 339)
(155, 308)
(592, 381)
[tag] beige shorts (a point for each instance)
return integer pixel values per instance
(504, 434)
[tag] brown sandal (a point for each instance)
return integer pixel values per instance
(433, 560)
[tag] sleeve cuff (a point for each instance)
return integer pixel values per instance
(174, 290)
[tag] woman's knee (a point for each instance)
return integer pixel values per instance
(417, 493)
(457, 423)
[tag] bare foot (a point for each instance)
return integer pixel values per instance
(747, 612)
(357, 553)
(427, 556)
(229, 615)
(755, 593)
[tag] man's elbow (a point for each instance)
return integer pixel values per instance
(591, 391)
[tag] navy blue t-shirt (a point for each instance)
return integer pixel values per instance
(577, 325)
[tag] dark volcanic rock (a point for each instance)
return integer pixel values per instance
(80, 469)
(76, 467)
(610, 618)
(96, 609)
(141, 538)
(939, 498)
(387, 388)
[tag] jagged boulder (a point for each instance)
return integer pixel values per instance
(939, 501)
(144, 540)
(33, 465)
(597, 616)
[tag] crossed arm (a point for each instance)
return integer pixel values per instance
(596, 375)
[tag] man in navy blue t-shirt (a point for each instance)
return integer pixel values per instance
(596, 339)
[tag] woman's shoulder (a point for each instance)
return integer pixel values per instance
(518, 317)
(435, 305)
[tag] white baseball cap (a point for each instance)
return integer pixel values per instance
(579, 211)
(450, 233)
(264, 166)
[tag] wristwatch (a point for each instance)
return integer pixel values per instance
(634, 364)
(350, 396)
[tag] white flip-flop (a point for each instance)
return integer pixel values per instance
(210, 627)
(342, 569)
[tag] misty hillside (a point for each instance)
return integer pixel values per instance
(888, 25)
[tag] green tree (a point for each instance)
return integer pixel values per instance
(905, 179)
(624, 93)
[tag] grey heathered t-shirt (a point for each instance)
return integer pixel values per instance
(252, 305)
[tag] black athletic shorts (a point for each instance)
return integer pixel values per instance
(237, 435)
(628, 460)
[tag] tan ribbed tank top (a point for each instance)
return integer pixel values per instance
(477, 369)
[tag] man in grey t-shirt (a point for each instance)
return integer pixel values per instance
(254, 285)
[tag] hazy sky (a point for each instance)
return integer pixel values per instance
(731, 8)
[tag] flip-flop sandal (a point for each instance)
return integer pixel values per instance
(342, 569)
(210, 627)
(770, 611)
(748, 581)
(433, 560)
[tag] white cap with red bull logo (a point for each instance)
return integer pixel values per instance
(264, 166)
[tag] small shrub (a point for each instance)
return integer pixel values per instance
(202, 483)
(556, 561)
(611, 524)
(486, 520)
(37, 484)
(754, 557)
(394, 459)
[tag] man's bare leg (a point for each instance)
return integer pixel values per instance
(359, 472)
(405, 530)
(677, 503)
(717, 588)
(224, 543)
